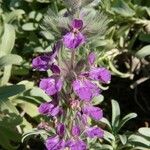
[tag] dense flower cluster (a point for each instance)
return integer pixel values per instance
(70, 109)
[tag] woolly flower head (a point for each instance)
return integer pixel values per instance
(94, 21)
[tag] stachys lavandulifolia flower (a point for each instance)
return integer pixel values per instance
(93, 132)
(95, 113)
(74, 38)
(76, 144)
(72, 86)
(85, 89)
(101, 74)
(49, 109)
(51, 85)
(76, 130)
(46, 61)
(54, 143)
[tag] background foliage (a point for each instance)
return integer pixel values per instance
(125, 49)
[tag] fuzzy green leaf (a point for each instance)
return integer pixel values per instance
(115, 113)
(145, 51)
(11, 90)
(122, 8)
(8, 35)
(10, 59)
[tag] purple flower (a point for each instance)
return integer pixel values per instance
(77, 24)
(93, 132)
(76, 130)
(85, 89)
(101, 74)
(44, 62)
(51, 85)
(40, 63)
(54, 143)
(49, 109)
(91, 58)
(76, 145)
(60, 129)
(45, 107)
(74, 38)
(94, 112)
(55, 69)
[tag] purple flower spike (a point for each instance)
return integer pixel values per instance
(85, 89)
(60, 129)
(76, 145)
(91, 58)
(40, 63)
(54, 143)
(101, 74)
(51, 85)
(94, 112)
(76, 130)
(77, 24)
(73, 40)
(93, 132)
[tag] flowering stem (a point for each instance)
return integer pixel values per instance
(72, 59)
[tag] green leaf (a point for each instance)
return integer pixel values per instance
(33, 132)
(10, 59)
(8, 135)
(97, 99)
(139, 141)
(123, 139)
(8, 35)
(14, 15)
(122, 8)
(109, 137)
(115, 113)
(8, 129)
(106, 147)
(47, 35)
(105, 121)
(144, 131)
(144, 37)
(148, 10)
(30, 26)
(145, 51)
(7, 105)
(25, 125)
(126, 119)
(1, 27)
(29, 108)
(11, 90)
(6, 75)
(28, 84)
(37, 92)
(35, 15)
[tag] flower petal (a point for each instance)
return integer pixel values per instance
(72, 40)
(94, 112)
(77, 24)
(93, 132)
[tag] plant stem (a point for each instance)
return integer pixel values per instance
(72, 59)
